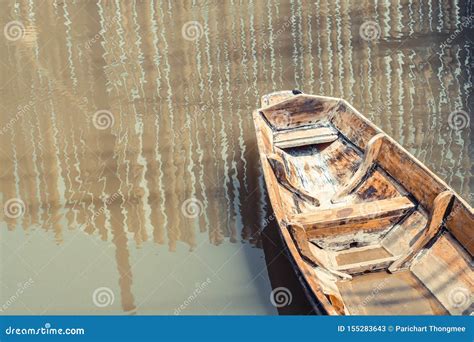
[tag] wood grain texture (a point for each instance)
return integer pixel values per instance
(304, 137)
(435, 222)
(289, 179)
(353, 215)
(373, 149)
(301, 241)
(300, 110)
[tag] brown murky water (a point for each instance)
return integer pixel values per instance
(128, 148)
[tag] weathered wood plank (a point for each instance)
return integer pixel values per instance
(275, 97)
(373, 149)
(304, 137)
(441, 205)
(302, 244)
(460, 223)
(299, 110)
(289, 179)
(446, 271)
(362, 213)
(355, 127)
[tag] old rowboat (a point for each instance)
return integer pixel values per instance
(369, 229)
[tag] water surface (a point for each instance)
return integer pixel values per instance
(127, 142)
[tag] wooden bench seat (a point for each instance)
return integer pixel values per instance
(349, 218)
(304, 137)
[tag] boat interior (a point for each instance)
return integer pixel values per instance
(366, 221)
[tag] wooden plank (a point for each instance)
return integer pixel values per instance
(441, 205)
(302, 244)
(275, 97)
(460, 223)
(373, 150)
(381, 293)
(353, 214)
(289, 180)
(446, 271)
(353, 125)
(368, 265)
(304, 137)
(355, 255)
(299, 110)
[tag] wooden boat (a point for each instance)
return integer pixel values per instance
(369, 229)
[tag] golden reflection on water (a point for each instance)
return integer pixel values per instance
(126, 133)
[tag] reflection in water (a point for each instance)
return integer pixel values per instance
(119, 123)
